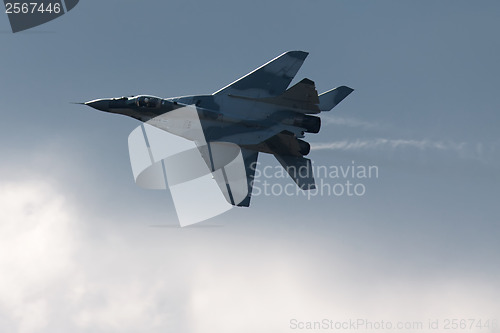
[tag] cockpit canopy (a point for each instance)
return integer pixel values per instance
(148, 101)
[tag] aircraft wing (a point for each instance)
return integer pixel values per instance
(233, 168)
(271, 79)
(302, 97)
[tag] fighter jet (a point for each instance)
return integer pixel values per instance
(258, 113)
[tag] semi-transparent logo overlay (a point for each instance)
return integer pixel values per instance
(197, 173)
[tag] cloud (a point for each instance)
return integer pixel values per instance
(36, 246)
(63, 270)
(264, 296)
(57, 276)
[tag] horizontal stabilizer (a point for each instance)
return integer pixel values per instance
(329, 99)
(300, 169)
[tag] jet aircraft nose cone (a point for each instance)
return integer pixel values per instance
(99, 104)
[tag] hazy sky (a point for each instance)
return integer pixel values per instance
(83, 249)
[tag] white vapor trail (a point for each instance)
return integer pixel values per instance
(467, 150)
(389, 143)
(350, 122)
